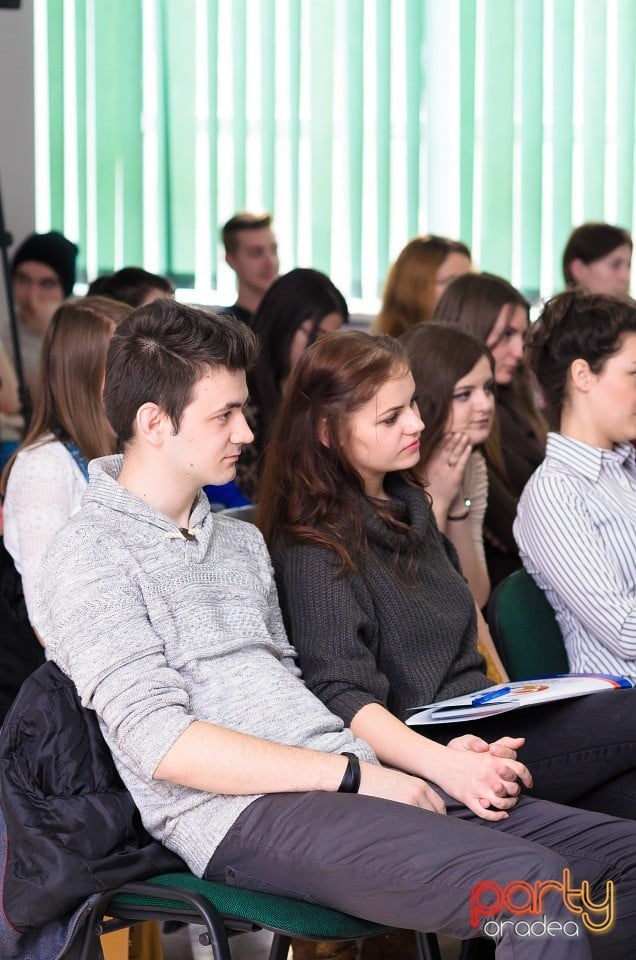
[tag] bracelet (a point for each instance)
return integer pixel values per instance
(351, 779)
(467, 502)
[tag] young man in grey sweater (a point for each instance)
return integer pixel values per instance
(166, 618)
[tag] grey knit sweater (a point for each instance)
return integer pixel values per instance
(157, 630)
(377, 638)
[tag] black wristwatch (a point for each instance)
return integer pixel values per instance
(351, 779)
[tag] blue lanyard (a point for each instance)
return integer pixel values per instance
(77, 455)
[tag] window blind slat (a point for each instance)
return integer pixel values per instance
(80, 94)
(626, 104)
(467, 47)
(594, 53)
(531, 144)
(129, 78)
(213, 133)
(355, 133)
(268, 101)
(414, 83)
(321, 131)
(107, 52)
(239, 102)
(383, 134)
(497, 138)
(56, 110)
(562, 131)
(180, 133)
(294, 121)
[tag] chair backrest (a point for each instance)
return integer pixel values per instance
(525, 630)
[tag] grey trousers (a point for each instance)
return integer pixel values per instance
(580, 751)
(406, 867)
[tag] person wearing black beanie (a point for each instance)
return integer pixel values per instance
(53, 250)
(43, 275)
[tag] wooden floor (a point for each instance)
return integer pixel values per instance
(251, 946)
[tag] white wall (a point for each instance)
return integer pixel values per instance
(17, 166)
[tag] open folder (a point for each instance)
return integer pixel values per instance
(513, 695)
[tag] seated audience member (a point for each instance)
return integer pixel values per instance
(298, 308)
(165, 617)
(44, 482)
(598, 259)
(131, 285)
(454, 381)
(43, 275)
(492, 310)
(373, 598)
(9, 400)
(417, 280)
(251, 251)
(11, 420)
(576, 525)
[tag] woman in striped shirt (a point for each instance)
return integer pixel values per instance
(576, 521)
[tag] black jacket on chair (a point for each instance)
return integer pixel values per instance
(73, 829)
(20, 651)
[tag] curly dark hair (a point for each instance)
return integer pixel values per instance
(575, 325)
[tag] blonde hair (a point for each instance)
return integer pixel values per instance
(409, 291)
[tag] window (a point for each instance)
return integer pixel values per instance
(358, 123)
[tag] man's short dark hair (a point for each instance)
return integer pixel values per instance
(130, 285)
(158, 354)
(242, 221)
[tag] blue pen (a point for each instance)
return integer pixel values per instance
(492, 695)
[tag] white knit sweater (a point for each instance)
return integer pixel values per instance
(44, 489)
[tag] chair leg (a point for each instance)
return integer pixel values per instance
(481, 948)
(427, 946)
(280, 947)
(91, 948)
(216, 932)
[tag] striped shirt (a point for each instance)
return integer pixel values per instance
(576, 531)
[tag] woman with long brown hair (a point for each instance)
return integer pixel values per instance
(491, 309)
(379, 612)
(417, 280)
(44, 481)
(454, 378)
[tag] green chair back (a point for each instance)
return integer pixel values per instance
(525, 630)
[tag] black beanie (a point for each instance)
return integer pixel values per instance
(55, 251)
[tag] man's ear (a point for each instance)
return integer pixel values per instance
(581, 375)
(153, 424)
(231, 261)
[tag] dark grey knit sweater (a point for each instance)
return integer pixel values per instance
(369, 638)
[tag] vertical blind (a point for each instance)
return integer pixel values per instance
(358, 123)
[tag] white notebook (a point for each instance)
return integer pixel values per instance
(513, 695)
